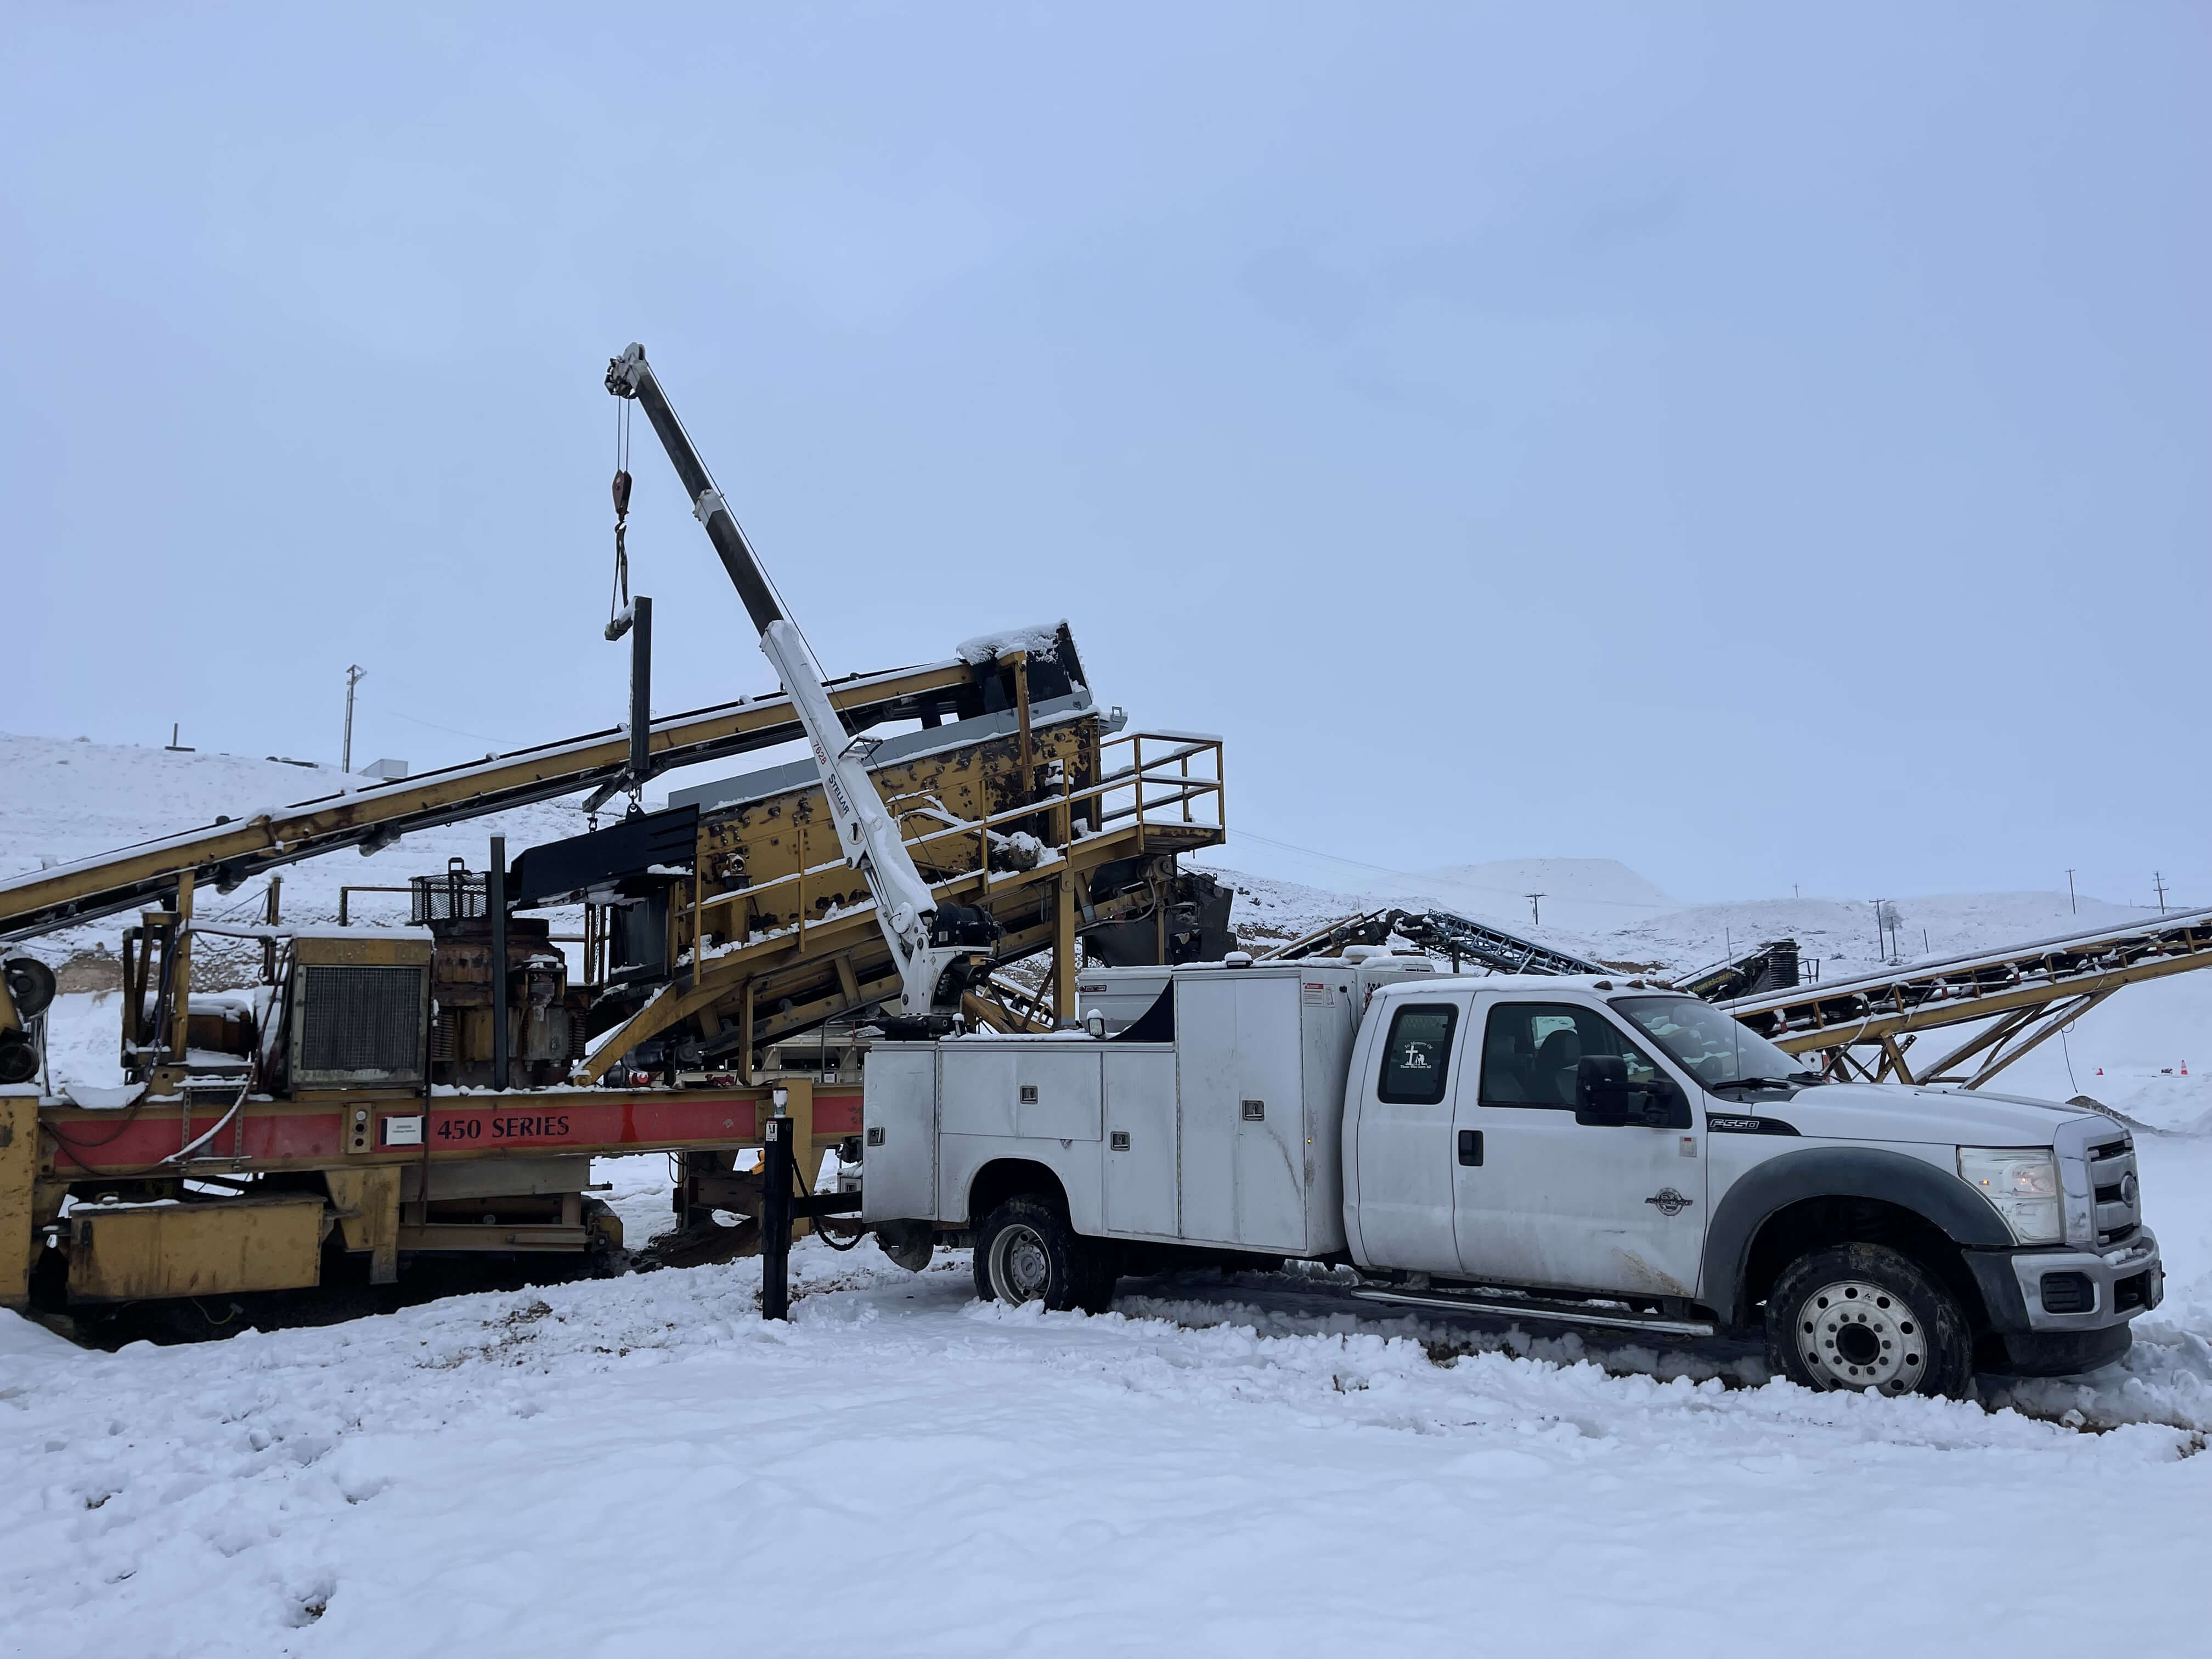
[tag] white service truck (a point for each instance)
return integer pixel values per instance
(1592, 1151)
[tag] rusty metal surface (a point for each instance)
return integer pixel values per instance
(127, 1253)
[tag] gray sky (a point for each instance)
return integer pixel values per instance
(1764, 448)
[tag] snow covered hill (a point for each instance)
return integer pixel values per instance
(61, 801)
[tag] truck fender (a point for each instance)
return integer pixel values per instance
(1967, 1218)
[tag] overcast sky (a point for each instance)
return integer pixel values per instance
(1767, 449)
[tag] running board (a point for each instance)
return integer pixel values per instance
(1552, 1311)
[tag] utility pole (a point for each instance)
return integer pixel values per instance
(1880, 949)
(354, 676)
(1535, 914)
(2072, 903)
(2158, 881)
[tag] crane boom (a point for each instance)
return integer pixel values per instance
(932, 943)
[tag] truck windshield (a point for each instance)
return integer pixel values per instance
(1718, 1050)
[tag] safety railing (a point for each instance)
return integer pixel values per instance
(1178, 786)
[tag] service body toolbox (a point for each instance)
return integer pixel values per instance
(1579, 1149)
(1226, 1132)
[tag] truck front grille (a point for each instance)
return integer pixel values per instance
(2116, 1190)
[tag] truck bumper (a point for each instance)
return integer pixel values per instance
(2061, 1311)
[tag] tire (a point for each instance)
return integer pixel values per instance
(1027, 1252)
(1863, 1316)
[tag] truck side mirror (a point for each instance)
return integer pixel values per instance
(1601, 1090)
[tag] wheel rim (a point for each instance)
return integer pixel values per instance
(1854, 1334)
(1020, 1269)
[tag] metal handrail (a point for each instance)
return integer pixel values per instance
(1186, 790)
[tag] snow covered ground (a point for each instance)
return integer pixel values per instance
(638, 1466)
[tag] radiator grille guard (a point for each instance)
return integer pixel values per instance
(360, 1025)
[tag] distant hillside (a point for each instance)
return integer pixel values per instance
(61, 801)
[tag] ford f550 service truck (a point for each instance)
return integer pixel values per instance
(1595, 1151)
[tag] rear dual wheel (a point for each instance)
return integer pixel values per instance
(1026, 1252)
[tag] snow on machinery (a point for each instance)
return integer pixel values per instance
(352, 1105)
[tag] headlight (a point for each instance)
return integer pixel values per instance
(2022, 1181)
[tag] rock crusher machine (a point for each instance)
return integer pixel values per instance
(393, 1093)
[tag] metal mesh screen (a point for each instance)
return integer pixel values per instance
(361, 1019)
(455, 896)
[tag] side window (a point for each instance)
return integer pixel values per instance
(1418, 1054)
(1530, 1051)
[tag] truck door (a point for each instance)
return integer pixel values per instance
(1404, 1141)
(1541, 1200)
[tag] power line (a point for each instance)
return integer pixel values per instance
(455, 731)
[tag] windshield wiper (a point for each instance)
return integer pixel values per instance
(1753, 1082)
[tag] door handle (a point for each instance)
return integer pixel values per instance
(1470, 1147)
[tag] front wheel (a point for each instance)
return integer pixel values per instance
(1863, 1316)
(1027, 1252)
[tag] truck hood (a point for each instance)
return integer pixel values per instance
(1895, 1112)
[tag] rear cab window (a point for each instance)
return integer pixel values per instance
(1417, 1056)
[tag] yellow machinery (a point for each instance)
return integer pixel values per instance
(443, 1087)
(345, 1106)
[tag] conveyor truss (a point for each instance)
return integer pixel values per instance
(1864, 1028)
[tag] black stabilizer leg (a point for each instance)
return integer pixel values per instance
(775, 1219)
(641, 692)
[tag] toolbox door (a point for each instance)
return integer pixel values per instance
(1242, 1110)
(898, 1134)
(1140, 1141)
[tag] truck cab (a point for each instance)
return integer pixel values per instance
(1610, 1140)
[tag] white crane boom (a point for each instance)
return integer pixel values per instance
(932, 943)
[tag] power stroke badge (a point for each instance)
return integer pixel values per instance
(1668, 1202)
